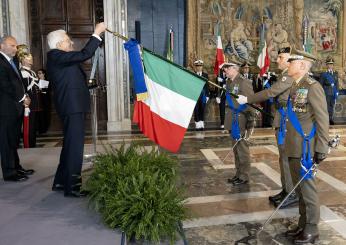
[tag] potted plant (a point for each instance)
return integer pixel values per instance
(135, 190)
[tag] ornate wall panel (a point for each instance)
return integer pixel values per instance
(319, 24)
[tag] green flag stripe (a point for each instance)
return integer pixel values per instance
(172, 77)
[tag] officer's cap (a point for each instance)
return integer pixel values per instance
(301, 55)
(229, 64)
(329, 60)
(198, 63)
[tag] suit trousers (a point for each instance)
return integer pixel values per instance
(222, 107)
(199, 110)
(309, 208)
(286, 179)
(242, 159)
(69, 169)
(330, 106)
(10, 128)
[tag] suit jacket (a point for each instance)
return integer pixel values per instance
(71, 93)
(309, 103)
(280, 90)
(327, 83)
(243, 86)
(11, 89)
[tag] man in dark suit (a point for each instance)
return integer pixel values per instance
(12, 102)
(72, 102)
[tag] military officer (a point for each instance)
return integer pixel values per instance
(203, 98)
(245, 71)
(306, 142)
(221, 98)
(238, 119)
(279, 91)
(330, 84)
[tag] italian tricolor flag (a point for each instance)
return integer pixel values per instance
(173, 92)
(263, 60)
(220, 57)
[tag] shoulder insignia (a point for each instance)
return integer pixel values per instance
(310, 80)
(284, 78)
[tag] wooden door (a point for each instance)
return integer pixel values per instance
(77, 18)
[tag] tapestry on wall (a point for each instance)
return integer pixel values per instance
(311, 24)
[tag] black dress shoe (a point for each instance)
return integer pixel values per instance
(278, 196)
(26, 171)
(57, 187)
(290, 201)
(231, 180)
(16, 178)
(295, 232)
(304, 238)
(239, 182)
(76, 194)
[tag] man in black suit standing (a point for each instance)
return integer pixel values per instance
(12, 102)
(72, 102)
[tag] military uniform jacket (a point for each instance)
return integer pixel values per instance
(309, 103)
(327, 83)
(205, 90)
(243, 86)
(30, 81)
(280, 90)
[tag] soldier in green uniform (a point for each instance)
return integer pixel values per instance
(280, 91)
(306, 142)
(239, 119)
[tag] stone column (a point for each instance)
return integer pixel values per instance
(14, 20)
(117, 72)
(343, 37)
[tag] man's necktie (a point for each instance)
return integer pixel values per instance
(14, 67)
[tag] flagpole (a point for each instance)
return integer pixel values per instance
(116, 34)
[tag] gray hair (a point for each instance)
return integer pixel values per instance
(55, 37)
(4, 38)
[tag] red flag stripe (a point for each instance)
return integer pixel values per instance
(163, 132)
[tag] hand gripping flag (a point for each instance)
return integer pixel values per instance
(172, 95)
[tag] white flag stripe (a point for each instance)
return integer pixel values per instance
(168, 104)
(262, 55)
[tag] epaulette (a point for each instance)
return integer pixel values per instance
(310, 80)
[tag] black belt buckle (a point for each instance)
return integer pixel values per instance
(92, 83)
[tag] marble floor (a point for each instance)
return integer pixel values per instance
(219, 213)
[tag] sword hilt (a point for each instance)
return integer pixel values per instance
(334, 142)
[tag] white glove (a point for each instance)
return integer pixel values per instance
(26, 111)
(218, 100)
(219, 79)
(242, 99)
(206, 100)
(224, 86)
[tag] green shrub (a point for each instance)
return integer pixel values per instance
(135, 190)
